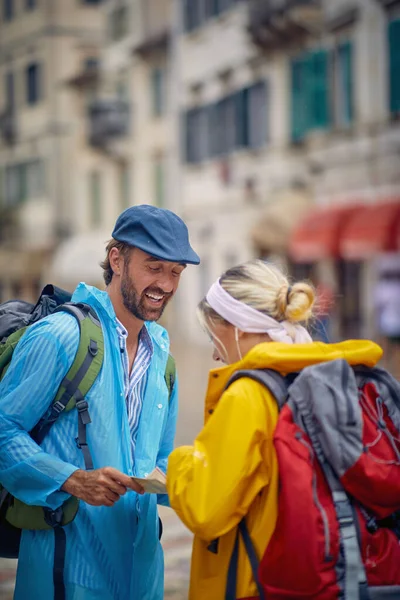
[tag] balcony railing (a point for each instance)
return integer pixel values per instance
(8, 129)
(108, 120)
(275, 23)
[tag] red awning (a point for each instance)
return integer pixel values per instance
(371, 230)
(317, 236)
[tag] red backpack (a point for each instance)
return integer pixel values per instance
(338, 447)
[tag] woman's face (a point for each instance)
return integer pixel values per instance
(225, 345)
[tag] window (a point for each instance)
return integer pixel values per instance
(257, 110)
(158, 91)
(159, 182)
(197, 134)
(95, 198)
(2, 195)
(310, 93)
(33, 83)
(237, 121)
(30, 4)
(23, 181)
(197, 12)
(394, 65)
(342, 61)
(9, 91)
(118, 23)
(124, 187)
(8, 10)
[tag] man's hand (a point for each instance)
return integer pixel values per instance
(101, 487)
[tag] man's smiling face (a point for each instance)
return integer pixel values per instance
(148, 283)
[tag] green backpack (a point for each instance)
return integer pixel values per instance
(15, 317)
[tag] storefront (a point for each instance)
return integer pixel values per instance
(342, 244)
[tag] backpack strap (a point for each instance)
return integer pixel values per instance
(72, 391)
(79, 379)
(170, 374)
(276, 383)
(350, 568)
(230, 593)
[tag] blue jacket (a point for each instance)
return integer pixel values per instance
(112, 553)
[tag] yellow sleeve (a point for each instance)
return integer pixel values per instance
(212, 483)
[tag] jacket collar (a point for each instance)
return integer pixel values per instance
(287, 358)
(101, 302)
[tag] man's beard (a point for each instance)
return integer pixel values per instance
(136, 304)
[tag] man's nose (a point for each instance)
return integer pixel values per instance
(166, 283)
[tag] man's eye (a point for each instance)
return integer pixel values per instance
(176, 273)
(155, 269)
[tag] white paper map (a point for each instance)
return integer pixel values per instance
(154, 483)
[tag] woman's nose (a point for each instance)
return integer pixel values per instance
(216, 355)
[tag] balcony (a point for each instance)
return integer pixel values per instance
(155, 28)
(8, 130)
(274, 24)
(108, 121)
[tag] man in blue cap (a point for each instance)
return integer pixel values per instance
(112, 549)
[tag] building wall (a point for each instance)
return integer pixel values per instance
(336, 163)
(58, 35)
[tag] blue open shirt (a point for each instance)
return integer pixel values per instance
(112, 553)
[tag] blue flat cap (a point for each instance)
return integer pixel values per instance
(157, 231)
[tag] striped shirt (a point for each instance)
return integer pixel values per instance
(135, 381)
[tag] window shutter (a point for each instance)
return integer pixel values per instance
(242, 118)
(394, 65)
(345, 52)
(299, 104)
(258, 113)
(318, 64)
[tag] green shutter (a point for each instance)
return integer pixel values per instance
(318, 65)
(299, 104)
(345, 54)
(394, 65)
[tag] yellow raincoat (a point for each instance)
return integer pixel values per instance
(232, 471)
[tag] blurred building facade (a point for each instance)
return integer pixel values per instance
(270, 126)
(128, 129)
(43, 44)
(291, 142)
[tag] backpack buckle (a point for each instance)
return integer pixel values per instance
(81, 405)
(53, 517)
(93, 349)
(344, 513)
(80, 444)
(58, 407)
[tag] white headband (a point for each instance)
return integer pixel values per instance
(251, 320)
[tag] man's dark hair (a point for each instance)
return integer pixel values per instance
(124, 249)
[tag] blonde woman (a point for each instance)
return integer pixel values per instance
(253, 316)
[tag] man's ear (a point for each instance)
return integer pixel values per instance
(115, 259)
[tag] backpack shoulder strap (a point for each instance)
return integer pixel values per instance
(82, 373)
(170, 374)
(272, 380)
